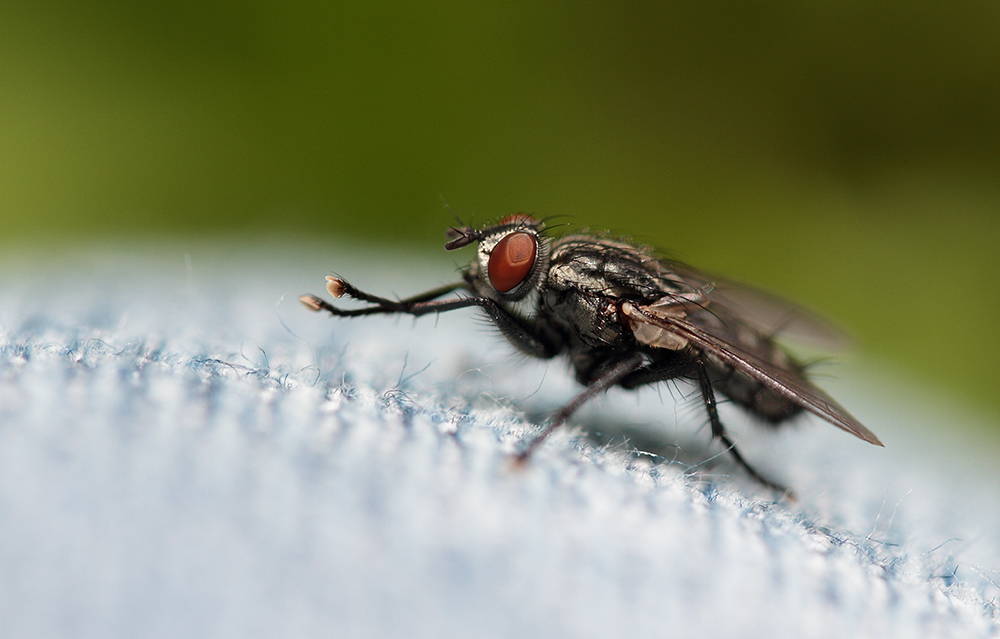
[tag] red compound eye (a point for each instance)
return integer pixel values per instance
(511, 260)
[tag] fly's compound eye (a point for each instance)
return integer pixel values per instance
(511, 260)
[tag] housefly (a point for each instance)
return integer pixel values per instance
(625, 317)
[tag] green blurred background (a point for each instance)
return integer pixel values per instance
(845, 153)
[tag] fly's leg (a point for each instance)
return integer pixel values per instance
(613, 375)
(663, 371)
(338, 288)
(708, 395)
(531, 339)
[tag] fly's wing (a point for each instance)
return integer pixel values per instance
(672, 319)
(766, 312)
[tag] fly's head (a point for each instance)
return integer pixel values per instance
(512, 258)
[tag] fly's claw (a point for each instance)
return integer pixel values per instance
(312, 302)
(335, 286)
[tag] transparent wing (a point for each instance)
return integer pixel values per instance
(766, 312)
(788, 382)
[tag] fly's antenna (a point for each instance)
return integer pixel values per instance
(460, 236)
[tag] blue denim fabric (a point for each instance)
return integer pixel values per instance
(185, 451)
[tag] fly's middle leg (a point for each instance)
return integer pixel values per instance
(609, 377)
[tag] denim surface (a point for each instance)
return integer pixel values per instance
(186, 451)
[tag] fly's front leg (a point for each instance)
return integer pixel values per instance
(529, 338)
(611, 376)
(415, 305)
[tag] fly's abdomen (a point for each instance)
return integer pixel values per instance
(757, 398)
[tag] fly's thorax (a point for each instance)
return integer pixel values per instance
(589, 278)
(607, 267)
(592, 320)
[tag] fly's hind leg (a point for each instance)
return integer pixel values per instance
(662, 371)
(708, 395)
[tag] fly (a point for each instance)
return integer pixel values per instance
(627, 318)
